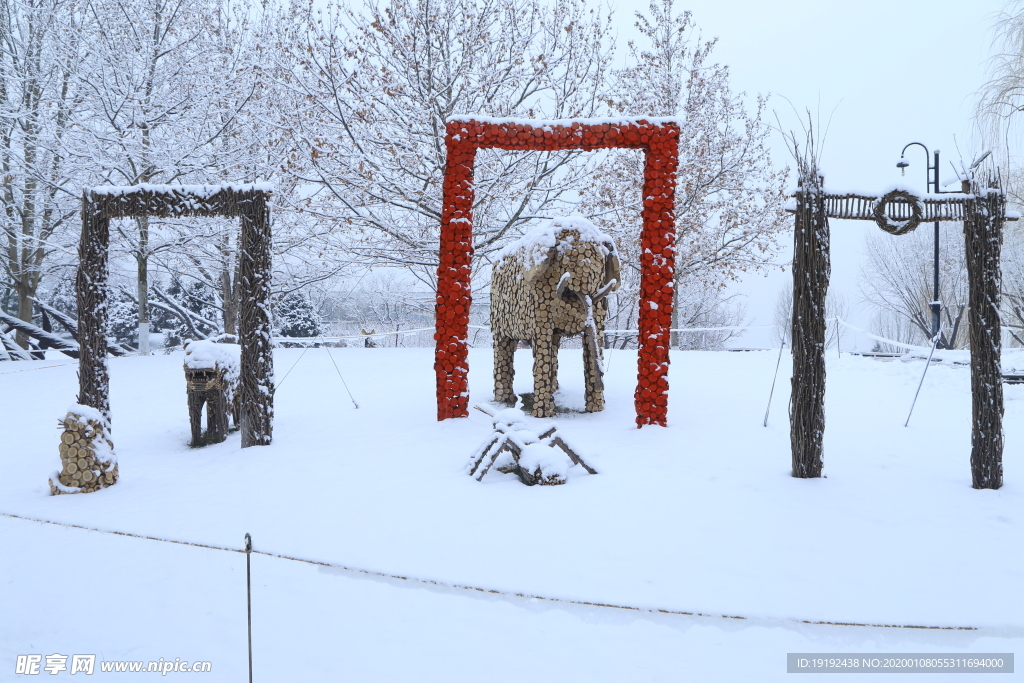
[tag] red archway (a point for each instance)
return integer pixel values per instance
(659, 139)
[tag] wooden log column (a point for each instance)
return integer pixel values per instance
(811, 270)
(91, 292)
(255, 333)
(983, 226)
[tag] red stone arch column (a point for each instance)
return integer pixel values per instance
(659, 139)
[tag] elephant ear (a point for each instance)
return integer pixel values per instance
(537, 271)
(611, 270)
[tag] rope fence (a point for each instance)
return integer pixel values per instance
(248, 550)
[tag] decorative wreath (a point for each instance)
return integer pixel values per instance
(894, 227)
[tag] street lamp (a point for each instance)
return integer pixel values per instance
(932, 177)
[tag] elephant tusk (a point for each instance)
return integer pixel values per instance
(563, 282)
(603, 292)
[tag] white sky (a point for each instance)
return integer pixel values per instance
(893, 71)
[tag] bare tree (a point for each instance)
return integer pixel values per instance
(835, 308)
(40, 55)
(729, 199)
(1013, 282)
(895, 327)
(702, 308)
(1000, 100)
(168, 82)
(373, 87)
(998, 118)
(897, 278)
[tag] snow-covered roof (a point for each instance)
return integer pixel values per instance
(204, 354)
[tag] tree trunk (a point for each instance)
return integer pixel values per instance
(26, 291)
(142, 260)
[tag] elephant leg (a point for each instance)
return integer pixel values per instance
(592, 375)
(556, 343)
(504, 369)
(195, 417)
(543, 392)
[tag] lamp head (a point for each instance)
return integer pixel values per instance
(902, 165)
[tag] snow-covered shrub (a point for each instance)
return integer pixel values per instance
(295, 316)
(123, 319)
(61, 295)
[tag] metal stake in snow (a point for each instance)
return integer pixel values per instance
(353, 398)
(772, 393)
(248, 595)
(935, 342)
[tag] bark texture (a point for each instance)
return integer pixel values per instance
(257, 376)
(983, 227)
(91, 291)
(811, 270)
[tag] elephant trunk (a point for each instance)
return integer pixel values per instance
(593, 357)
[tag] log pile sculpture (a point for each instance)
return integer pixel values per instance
(211, 375)
(549, 285)
(87, 455)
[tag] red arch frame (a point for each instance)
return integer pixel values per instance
(659, 138)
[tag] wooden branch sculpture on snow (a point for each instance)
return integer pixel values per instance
(549, 285)
(211, 374)
(533, 457)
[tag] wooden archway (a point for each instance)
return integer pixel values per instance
(250, 203)
(982, 208)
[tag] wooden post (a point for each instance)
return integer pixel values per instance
(91, 292)
(257, 388)
(811, 270)
(983, 226)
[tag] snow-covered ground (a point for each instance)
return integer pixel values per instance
(701, 517)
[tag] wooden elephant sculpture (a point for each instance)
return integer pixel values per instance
(549, 285)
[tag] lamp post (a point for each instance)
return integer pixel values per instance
(932, 177)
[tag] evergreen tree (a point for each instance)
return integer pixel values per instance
(295, 316)
(63, 297)
(123, 321)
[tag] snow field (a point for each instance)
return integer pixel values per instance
(699, 517)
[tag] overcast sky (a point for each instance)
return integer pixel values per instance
(886, 73)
